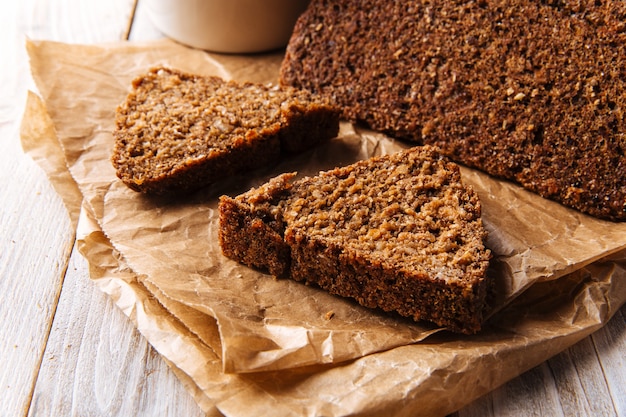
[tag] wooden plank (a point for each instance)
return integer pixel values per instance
(97, 364)
(36, 239)
(143, 29)
(65, 348)
(610, 344)
(580, 382)
(76, 21)
(531, 394)
(35, 233)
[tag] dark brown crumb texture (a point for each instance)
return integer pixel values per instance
(528, 90)
(399, 232)
(177, 132)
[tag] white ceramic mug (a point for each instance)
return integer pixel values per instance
(230, 26)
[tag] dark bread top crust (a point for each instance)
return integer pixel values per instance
(532, 91)
(177, 131)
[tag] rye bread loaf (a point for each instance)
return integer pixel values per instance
(531, 91)
(177, 132)
(398, 232)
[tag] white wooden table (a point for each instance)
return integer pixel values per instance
(65, 349)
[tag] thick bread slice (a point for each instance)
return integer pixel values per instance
(398, 232)
(177, 132)
(532, 91)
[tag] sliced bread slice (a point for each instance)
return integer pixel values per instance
(177, 132)
(398, 232)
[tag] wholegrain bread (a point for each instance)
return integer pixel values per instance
(400, 233)
(531, 91)
(177, 132)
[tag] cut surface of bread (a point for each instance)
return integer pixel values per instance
(397, 232)
(531, 91)
(177, 132)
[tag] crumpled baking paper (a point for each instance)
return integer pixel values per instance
(245, 343)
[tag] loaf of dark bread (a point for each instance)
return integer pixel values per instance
(527, 90)
(177, 132)
(399, 232)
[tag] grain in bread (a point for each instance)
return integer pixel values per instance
(531, 91)
(177, 132)
(398, 232)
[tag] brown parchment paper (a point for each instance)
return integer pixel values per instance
(247, 344)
